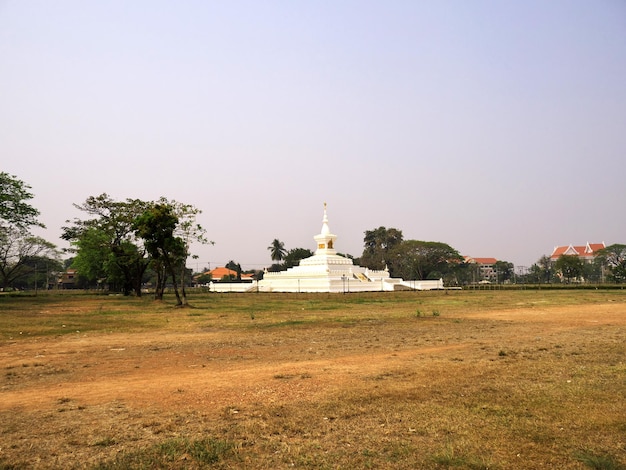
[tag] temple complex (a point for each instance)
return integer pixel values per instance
(326, 271)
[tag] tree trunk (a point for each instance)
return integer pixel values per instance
(172, 272)
(160, 283)
(182, 286)
(141, 270)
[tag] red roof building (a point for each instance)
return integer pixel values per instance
(486, 267)
(218, 274)
(585, 252)
(469, 259)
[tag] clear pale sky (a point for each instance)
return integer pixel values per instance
(496, 127)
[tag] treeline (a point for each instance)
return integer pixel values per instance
(386, 248)
(118, 241)
(608, 266)
(114, 245)
(121, 245)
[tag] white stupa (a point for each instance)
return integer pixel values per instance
(326, 271)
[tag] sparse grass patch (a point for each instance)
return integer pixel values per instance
(284, 376)
(105, 442)
(598, 462)
(448, 458)
(178, 453)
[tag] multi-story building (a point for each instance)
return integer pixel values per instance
(486, 268)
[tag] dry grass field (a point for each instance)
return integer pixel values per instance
(492, 379)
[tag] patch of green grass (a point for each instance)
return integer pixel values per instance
(174, 453)
(598, 462)
(286, 323)
(449, 458)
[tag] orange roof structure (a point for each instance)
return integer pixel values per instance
(587, 251)
(469, 259)
(219, 273)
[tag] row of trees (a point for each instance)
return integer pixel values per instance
(412, 259)
(114, 244)
(417, 259)
(118, 241)
(609, 265)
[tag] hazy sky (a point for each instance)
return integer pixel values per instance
(497, 127)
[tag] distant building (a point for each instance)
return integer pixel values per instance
(221, 273)
(67, 280)
(585, 252)
(486, 268)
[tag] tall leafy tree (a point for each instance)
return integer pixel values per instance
(570, 267)
(592, 272)
(541, 271)
(535, 274)
(504, 270)
(295, 255)
(463, 273)
(19, 249)
(378, 244)
(277, 250)
(93, 259)
(156, 227)
(105, 242)
(15, 210)
(234, 267)
(189, 231)
(613, 258)
(416, 259)
(168, 228)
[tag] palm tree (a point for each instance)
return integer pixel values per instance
(277, 250)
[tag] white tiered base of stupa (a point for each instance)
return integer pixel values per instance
(326, 273)
(344, 277)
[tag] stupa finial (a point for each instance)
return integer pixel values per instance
(325, 228)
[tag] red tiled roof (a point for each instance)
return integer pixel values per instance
(219, 273)
(469, 259)
(597, 246)
(587, 250)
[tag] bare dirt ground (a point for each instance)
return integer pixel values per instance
(66, 401)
